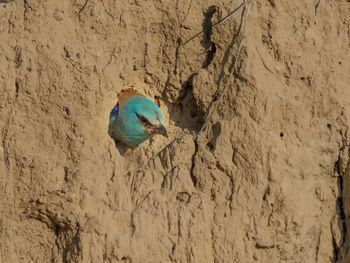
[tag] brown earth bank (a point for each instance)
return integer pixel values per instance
(256, 167)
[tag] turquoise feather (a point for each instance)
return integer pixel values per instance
(135, 120)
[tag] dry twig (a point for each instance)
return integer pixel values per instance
(218, 23)
(234, 67)
(246, 5)
(317, 5)
(83, 7)
(107, 12)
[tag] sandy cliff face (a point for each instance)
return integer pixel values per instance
(267, 178)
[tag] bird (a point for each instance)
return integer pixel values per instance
(135, 119)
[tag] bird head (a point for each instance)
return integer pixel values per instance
(151, 128)
(144, 117)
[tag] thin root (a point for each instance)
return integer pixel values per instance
(243, 4)
(83, 7)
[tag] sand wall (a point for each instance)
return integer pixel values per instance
(265, 177)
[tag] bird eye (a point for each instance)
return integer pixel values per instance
(143, 120)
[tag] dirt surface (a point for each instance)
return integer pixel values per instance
(256, 168)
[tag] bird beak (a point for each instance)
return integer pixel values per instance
(161, 130)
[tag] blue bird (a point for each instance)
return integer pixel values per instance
(135, 119)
